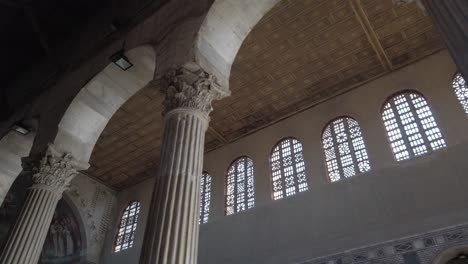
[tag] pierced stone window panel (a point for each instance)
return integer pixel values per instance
(288, 169)
(410, 125)
(127, 227)
(205, 198)
(461, 90)
(345, 151)
(240, 190)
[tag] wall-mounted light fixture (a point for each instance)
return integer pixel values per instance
(23, 130)
(121, 60)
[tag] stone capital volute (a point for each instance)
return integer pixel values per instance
(190, 87)
(55, 170)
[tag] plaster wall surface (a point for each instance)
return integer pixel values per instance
(393, 200)
(95, 205)
(141, 192)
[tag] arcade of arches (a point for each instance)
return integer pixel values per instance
(236, 131)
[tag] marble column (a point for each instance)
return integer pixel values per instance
(172, 231)
(50, 178)
(451, 18)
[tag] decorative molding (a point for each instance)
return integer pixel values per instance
(427, 247)
(191, 87)
(371, 35)
(55, 170)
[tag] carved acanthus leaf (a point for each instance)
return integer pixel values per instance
(55, 170)
(191, 87)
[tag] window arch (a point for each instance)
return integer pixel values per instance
(288, 169)
(205, 198)
(240, 186)
(345, 151)
(461, 90)
(410, 125)
(127, 227)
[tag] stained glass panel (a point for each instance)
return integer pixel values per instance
(288, 169)
(461, 90)
(127, 227)
(240, 191)
(345, 151)
(411, 127)
(205, 198)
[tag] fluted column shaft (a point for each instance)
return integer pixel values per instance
(27, 239)
(451, 18)
(175, 224)
(51, 177)
(172, 231)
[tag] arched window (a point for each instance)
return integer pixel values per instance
(205, 197)
(345, 151)
(127, 227)
(411, 127)
(461, 90)
(288, 169)
(240, 186)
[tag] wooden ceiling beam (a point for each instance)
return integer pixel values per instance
(370, 33)
(217, 135)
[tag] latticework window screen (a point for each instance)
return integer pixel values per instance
(411, 127)
(127, 227)
(240, 190)
(345, 151)
(461, 90)
(205, 197)
(288, 169)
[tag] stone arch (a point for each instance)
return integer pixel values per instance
(96, 103)
(451, 253)
(215, 46)
(13, 147)
(81, 224)
(226, 25)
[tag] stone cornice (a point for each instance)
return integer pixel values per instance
(191, 87)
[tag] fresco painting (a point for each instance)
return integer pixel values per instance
(63, 244)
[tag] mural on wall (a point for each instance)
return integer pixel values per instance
(63, 244)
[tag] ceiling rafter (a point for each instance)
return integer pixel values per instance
(218, 135)
(370, 34)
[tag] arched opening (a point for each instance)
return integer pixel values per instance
(66, 238)
(13, 147)
(96, 103)
(455, 255)
(223, 32)
(240, 189)
(288, 175)
(65, 242)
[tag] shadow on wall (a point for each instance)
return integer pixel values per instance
(64, 242)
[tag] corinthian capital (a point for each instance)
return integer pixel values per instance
(191, 87)
(56, 170)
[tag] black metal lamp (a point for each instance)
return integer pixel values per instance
(121, 60)
(20, 128)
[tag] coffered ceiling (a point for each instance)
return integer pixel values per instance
(301, 53)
